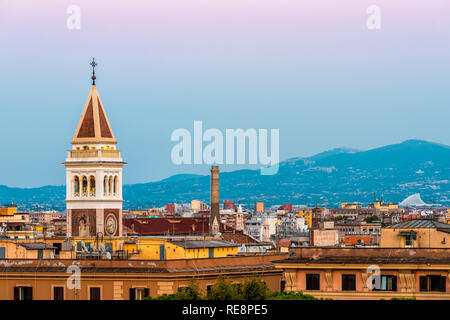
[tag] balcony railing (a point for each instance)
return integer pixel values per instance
(91, 195)
(99, 153)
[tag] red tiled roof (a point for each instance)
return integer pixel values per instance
(239, 238)
(162, 226)
(286, 242)
(87, 129)
(94, 125)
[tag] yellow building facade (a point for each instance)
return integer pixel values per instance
(150, 248)
(307, 215)
(8, 210)
(416, 234)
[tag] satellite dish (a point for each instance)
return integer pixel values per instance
(101, 247)
(108, 255)
(52, 255)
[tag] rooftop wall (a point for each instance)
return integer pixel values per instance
(365, 255)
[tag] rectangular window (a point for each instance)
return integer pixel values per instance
(58, 247)
(208, 289)
(58, 293)
(282, 285)
(139, 293)
(23, 293)
(108, 247)
(348, 282)
(408, 241)
(432, 283)
(313, 281)
(162, 252)
(387, 283)
(94, 293)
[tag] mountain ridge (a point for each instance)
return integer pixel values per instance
(340, 174)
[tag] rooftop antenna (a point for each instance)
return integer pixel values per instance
(93, 64)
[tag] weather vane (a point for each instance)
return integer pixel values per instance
(93, 64)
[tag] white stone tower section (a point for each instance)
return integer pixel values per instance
(94, 175)
(239, 223)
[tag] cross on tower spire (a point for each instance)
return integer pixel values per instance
(93, 64)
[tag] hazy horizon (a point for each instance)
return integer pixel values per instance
(230, 169)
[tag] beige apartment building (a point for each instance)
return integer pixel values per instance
(368, 273)
(52, 279)
(416, 234)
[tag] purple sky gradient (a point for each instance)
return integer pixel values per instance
(310, 68)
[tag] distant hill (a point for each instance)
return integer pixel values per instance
(342, 174)
(181, 177)
(332, 152)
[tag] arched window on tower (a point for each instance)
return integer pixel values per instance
(105, 185)
(76, 186)
(92, 186)
(84, 187)
(115, 185)
(110, 182)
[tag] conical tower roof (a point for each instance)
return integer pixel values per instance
(94, 126)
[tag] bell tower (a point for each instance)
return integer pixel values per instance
(94, 174)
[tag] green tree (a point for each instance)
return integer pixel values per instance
(224, 289)
(371, 219)
(255, 289)
(290, 295)
(191, 292)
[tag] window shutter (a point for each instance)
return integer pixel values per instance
(146, 292)
(58, 293)
(442, 284)
(28, 293)
(316, 282)
(95, 293)
(394, 283)
(308, 282)
(423, 283)
(132, 294)
(16, 293)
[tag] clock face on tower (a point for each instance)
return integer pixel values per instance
(110, 225)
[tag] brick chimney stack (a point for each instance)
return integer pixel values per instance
(214, 218)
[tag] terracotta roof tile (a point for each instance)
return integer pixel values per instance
(94, 126)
